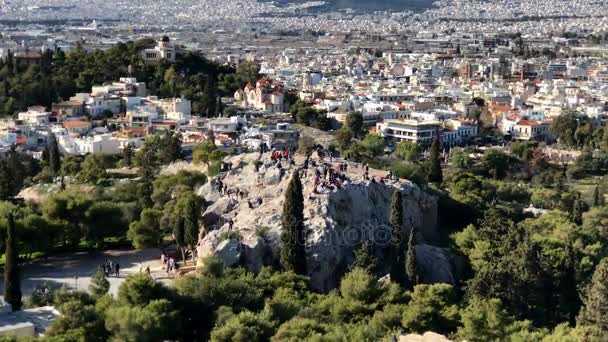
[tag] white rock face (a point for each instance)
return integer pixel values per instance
(336, 221)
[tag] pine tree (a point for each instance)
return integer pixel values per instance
(397, 243)
(364, 258)
(410, 260)
(293, 238)
(127, 155)
(54, 155)
(12, 282)
(594, 314)
(435, 172)
(99, 285)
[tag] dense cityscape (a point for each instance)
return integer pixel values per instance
(333, 170)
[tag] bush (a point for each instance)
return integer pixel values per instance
(261, 231)
(411, 171)
(214, 168)
(231, 235)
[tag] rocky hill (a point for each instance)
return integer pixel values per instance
(336, 220)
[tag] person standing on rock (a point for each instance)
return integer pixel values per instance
(230, 224)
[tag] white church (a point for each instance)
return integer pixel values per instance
(267, 95)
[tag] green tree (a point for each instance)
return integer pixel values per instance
(189, 211)
(364, 257)
(12, 281)
(154, 321)
(94, 168)
(204, 152)
(410, 260)
(485, 320)
(104, 219)
(594, 314)
(79, 321)
(171, 148)
(127, 155)
(293, 238)
(146, 231)
(435, 172)
(355, 123)
(564, 128)
(408, 151)
(148, 163)
(598, 197)
(344, 137)
(373, 144)
(140, 289)
(397, 243)
(54, 155)
(99, 283)
(359, 285)
(432, 308)
(245, 327)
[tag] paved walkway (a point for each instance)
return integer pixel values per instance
(74, 270)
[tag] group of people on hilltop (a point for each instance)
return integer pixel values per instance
(110, 268)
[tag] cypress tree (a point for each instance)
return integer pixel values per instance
(6, 182)
(54, 155)
(397, 242)
(598, 197)
(12, 282)
(147, 169)
(293, 238)
(364, 258)
(190, 217)
(127, 154)
(45, 155)
(594, 314)
(179, 236)
(410, 260)
(435, 172)
(578, 208)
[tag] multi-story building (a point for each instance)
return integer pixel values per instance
(267, 95)
(417, 131)
(164, 49)
(36, 116)
(450, 132)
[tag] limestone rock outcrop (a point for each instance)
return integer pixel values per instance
(336, 221)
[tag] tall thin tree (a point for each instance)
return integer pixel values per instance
(12, 282)
(397, 242)
(410, 260)
(435, 172)
(54, 155)
(293, 238)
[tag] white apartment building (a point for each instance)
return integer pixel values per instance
(101, 143)
(36, 116)
(142, 116)
(451, 132)
(173, 105)
(416, 131)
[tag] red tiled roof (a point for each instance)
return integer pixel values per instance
(528, 123)
(76, 124)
